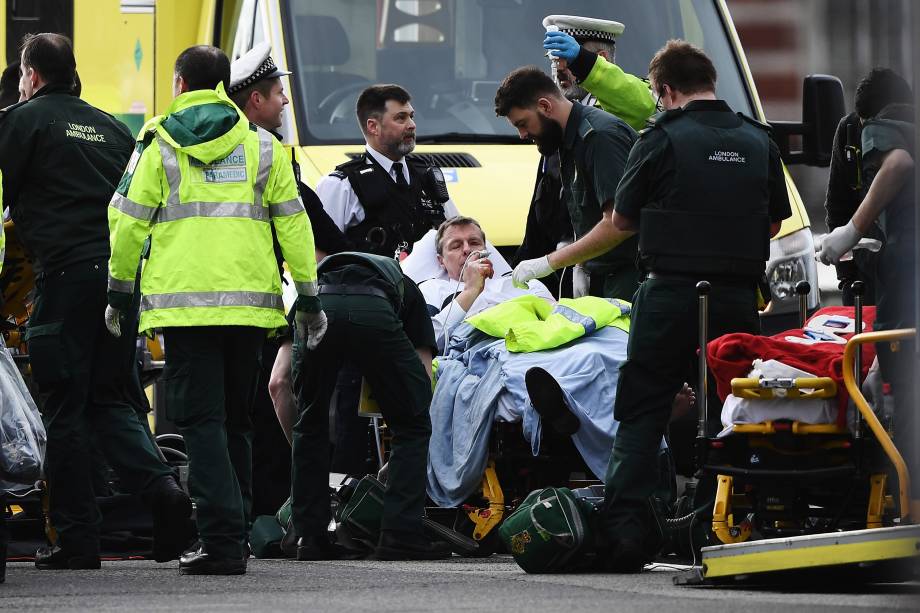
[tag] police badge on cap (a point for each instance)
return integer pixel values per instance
(253, 66)
(585, 28)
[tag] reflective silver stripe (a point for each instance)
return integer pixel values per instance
(133, 209)
(265, 165)
(288, 207)
(306, 288)
(171, 168)
(213, 209)
(117, 285)
(2, 255)
(259, 300)
(575, 317)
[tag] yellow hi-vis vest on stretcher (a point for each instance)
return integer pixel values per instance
(207, 187)
(530, 323)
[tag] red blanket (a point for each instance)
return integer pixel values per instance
(732, 355)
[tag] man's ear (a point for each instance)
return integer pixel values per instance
(545, 106)
(605, 54)
(372, 126)
(441, 261)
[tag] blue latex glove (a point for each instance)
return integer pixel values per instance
(562, 45)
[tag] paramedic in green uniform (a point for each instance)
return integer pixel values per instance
(593, 146)
(888, 166)
(379, 320)
(61, 160)
(704, 189)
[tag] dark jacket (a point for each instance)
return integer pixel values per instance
(61, 160)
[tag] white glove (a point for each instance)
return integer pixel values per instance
(838, 242)
(113, 321)
(530, 269)
(311, 326)
(581, 281)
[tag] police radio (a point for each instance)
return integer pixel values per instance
(438, 184)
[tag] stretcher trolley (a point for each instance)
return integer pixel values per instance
(792, 496)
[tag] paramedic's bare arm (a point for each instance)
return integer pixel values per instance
(426, 356)
(602, 238)
(897, 166)
(280, 388)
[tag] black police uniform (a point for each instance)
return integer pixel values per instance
(893, 128)
(704, 185)
(593, 156)
(845, 190)
(376, 325)
(61, 160)
(395, 215)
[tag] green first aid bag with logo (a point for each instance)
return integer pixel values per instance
(548, 532)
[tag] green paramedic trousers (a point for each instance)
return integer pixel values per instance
(366, 331)
(210, 384)
(661, 356)
(83, 374)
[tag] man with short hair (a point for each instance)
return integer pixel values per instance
(586, 46)
(698, 175)
(208, 190)
(593, 146)
(384, 201)
(61, 160)
(470, 285)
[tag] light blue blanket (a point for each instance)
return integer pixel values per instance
(479, 373)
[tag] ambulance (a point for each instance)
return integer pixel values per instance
(451, 55)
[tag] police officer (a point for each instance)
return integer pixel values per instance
(888, 157)
(379, 320)
(61, 160)
(208, 189)
(583, 51)
(704, 189)
(255, 87)
(593, 146)
(384, 201)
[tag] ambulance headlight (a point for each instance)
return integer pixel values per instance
(792, 259)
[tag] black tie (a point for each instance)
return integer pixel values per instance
(400, 177)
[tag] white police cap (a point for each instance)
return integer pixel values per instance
(585, 28)
(253, 66)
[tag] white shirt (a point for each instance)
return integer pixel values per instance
(496, 291)
(340, 201)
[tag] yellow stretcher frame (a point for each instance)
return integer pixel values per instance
(849, 380)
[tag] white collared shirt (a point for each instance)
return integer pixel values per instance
(339, 198)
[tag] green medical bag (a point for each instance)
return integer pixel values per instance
(549, 532)
(362, 513)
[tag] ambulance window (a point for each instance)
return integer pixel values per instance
(30, 17)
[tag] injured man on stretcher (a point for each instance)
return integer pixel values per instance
(512, 355)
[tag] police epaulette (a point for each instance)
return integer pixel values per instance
(357, 161)
(763, 126)
(338, 174)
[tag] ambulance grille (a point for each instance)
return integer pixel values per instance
(441, 160)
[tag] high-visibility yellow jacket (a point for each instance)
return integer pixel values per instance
(620, 93)
(530, 323)
(207, 187)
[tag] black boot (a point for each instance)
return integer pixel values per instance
(627, 556)
(549, 401)
(313, 548)
(56, 558)
(409, 546)
(171, 508)
(200, 562)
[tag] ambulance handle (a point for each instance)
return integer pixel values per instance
(702, 384)
(802, 288)
(859, 289)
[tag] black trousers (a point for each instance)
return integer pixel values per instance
(367, 331)
(210, 384)
(661, 356)
(82, 373)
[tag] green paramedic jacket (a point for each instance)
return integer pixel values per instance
(617, 92)
(2, 234)
(207, 187)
